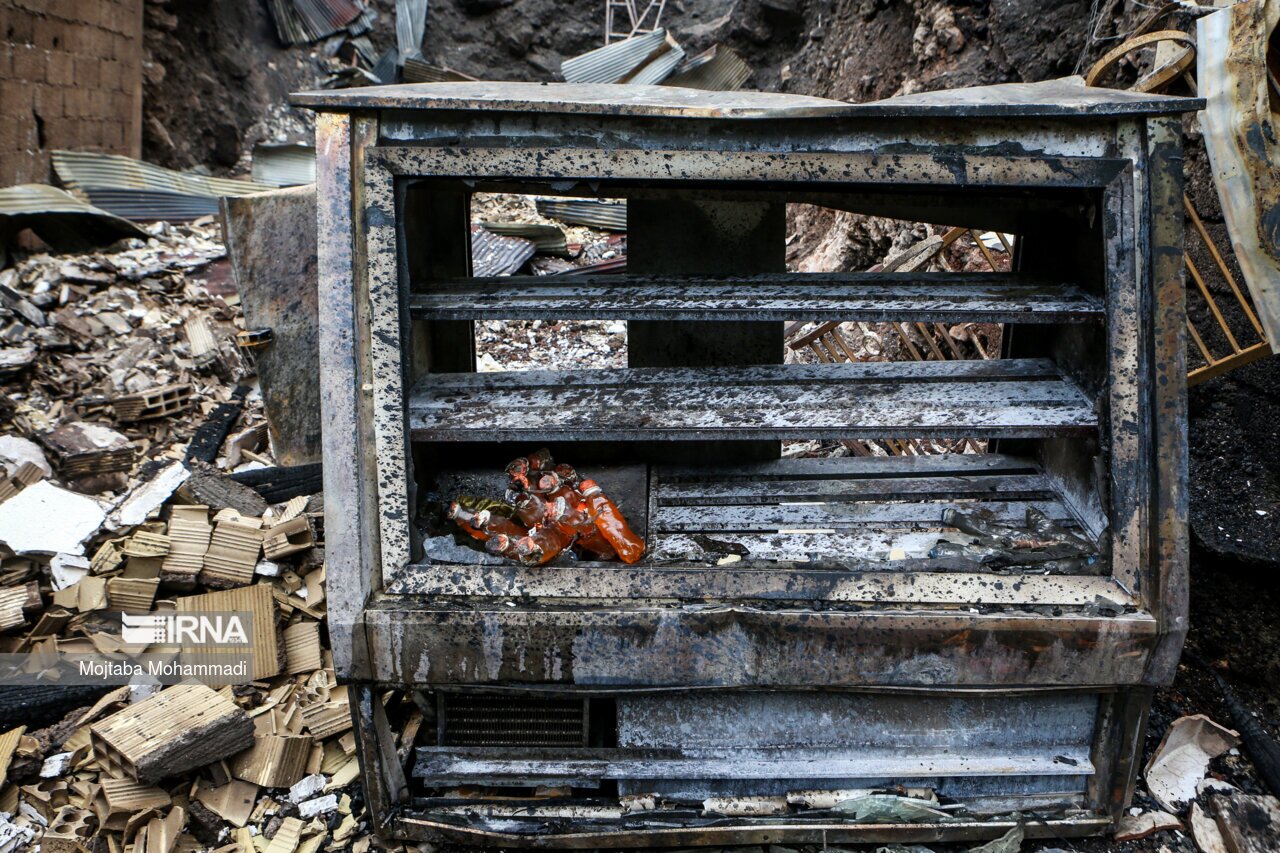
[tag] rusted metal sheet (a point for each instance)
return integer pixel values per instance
(941, 297)
(1240, 136)
(497, 255)
(278, 289)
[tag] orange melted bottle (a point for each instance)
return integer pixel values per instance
(501, 545)
(542, 544)
(531, 509)
(609, 521)
(482, 524)
(540, 460)
(550, 487)
(574, 520)
(518, 475)
(567, 474)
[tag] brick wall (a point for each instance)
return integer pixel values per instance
(70, 77)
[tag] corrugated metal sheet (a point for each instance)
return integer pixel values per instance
(418, 71)
(547, 239)
(494, 255)
(411, 24)
(594, 213)
(303, 21)
(717, 69)
(659, 67)
(288, 165)
(614, 62)
(59, 218)
(86, 170)
(152, 206)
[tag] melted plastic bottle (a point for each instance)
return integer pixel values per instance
(610, 522)
(543, 543)
(482, 524)
(567, 474)
(501, 545)
(576, 521)
(540, 460)
(551, 487)
(531, 509)
(518, 475)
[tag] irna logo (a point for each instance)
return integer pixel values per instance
(185, 629)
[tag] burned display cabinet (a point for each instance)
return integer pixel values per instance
(796, 635)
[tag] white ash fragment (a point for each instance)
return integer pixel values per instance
(67, 569)
(46, 519)
(15, 450)
(318, 806)
(55, 765)
(150, 496)
(307, 787)
(268, 569)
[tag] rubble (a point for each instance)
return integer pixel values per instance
(119, 493)
(179, 728)
(1183, 757)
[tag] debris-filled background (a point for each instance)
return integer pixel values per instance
(132, 386)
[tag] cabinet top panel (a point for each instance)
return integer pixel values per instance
(1066, 98)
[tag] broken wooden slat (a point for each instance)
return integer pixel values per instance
(1025, 398)
(181, 727)
(875, 297)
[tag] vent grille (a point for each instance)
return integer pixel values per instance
(484, 720)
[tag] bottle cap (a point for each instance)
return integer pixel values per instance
(452, 512)
(588, 486)
(526, 547)
(566, 472)
(481, 518)
(497, 543)
(518, 466)
(548, 482)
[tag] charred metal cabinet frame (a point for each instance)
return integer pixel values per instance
(1050, 672)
